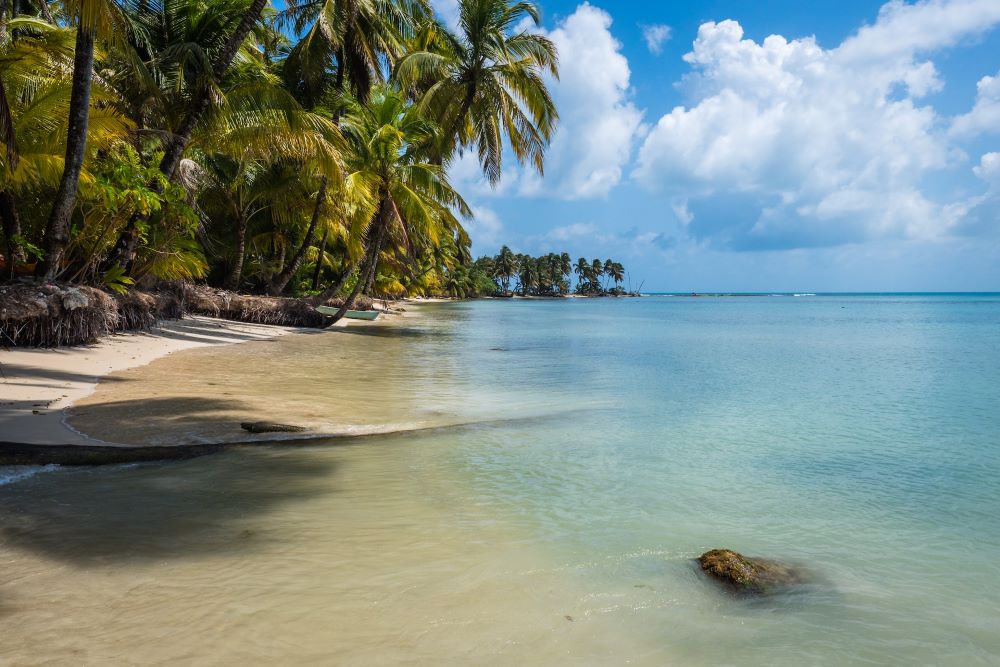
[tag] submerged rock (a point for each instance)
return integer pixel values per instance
(756, 576)
(269, 427)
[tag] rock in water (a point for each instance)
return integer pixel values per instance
(756, 576)
(269, 427)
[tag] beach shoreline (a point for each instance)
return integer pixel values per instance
(39, 386)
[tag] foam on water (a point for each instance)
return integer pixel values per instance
(12, 474)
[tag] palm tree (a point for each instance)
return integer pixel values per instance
(358, 34)
(527, 275)
(488, 85)
(617, 273)
(387, 144)
(207, 39)
(582, 271)
(34, 98)
(596, 269)
(92, 17)
(506, 267)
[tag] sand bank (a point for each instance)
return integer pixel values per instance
(37, 385)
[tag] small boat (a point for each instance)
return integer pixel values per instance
(350, 314)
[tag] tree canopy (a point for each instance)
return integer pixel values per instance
(301, 151)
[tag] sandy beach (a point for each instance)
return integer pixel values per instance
(38, 385)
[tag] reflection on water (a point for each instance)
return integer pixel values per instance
(605, 445)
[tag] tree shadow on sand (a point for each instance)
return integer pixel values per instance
(144, 512)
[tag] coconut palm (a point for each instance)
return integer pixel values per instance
(388, 141)
(356, 34)
(505, 268)
(93, 18)
(35, 97)
(617, 273)
(488, 85)
(582, 270)
(177, 66)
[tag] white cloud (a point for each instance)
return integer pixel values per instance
(655, 36)
(466, 174)
(984, 118)
(575, 231)
(832, 144)
(598, 124)
(485, 229)
(447, 10)
(681, 211)
(989, 169)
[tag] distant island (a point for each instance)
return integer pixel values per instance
(509, 274)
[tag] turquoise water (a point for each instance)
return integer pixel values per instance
(617, 439)
(857, 434)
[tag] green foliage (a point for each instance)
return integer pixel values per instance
(336, 120)
(115, 280)
(547, 275)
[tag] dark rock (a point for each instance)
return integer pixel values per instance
(269, 427)
(756, 576)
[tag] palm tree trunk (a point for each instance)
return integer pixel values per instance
(43, 5)
(201, 99)
(319, 260)
(371, 262)
(236, 270)
(281, 280)
(11, 231)
(57, 229)
(174, 149)
(333, 290)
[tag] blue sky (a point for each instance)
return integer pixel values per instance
(766, 146)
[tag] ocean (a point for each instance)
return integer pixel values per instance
(571, 460)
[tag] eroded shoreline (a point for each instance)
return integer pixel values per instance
(40, 387)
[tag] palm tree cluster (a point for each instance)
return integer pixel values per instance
(300, 150)
(510, 273)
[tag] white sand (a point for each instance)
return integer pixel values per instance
(36, 385)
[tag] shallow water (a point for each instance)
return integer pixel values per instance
(605, 444)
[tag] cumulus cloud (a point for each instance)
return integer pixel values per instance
(485, 229)
(656, 36)
(985, 115)
(813, 146)
(598, 124)
(989, 169)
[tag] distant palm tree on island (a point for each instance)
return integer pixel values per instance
(510, 274)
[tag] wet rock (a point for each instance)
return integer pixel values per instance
(270, 427)
(755, 576)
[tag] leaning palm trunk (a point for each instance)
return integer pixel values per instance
(281, 280)
(124, 250)
(11, 231)
(371, 263)
(319, 260)
(57, 229)
(334, 289)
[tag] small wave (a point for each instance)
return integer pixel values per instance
(11, 474)
(805, 294)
